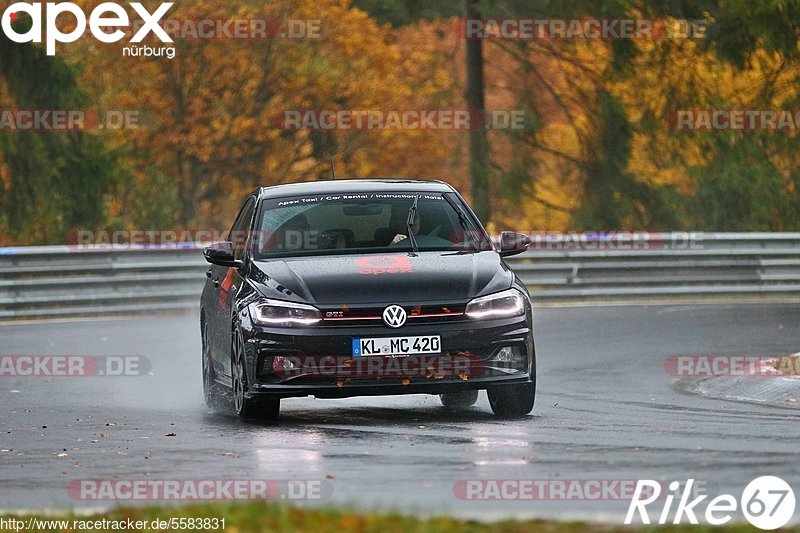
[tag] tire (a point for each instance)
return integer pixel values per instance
(512, 401)
(248, 408)
(458, 400)
(213, 393)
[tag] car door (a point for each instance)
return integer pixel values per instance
(226, 282)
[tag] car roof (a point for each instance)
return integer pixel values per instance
(354, 186)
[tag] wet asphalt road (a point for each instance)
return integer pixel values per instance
(606, 409)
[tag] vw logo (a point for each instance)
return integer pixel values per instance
(394, 316)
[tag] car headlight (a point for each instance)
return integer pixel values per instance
(501, 304)
(283, 314)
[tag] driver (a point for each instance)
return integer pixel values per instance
(399, 226)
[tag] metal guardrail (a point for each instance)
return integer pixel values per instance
(661, 266)
(68, 281)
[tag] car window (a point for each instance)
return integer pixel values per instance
(240, 230)
(363, 223)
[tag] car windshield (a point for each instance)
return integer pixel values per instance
(364, 223)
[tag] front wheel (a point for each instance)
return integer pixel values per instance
(245, 407)
(512, 401)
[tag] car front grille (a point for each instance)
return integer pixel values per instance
(372, 316)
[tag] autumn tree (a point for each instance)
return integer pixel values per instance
(51, 181)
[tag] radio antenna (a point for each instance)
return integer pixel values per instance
(333, 169)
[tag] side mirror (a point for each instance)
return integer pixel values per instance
(221, 253)
(513, 243)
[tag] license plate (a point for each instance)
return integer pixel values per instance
(397, 346)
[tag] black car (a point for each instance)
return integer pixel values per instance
(364, 287)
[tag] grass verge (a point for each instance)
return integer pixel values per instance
(273, 517)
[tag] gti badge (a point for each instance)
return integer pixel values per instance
(394, 316)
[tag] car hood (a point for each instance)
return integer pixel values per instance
(391, 278)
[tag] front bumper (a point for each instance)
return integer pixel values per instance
(486, 353)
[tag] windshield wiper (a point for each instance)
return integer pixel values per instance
(412, 212)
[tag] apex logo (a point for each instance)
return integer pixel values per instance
(106, 15)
